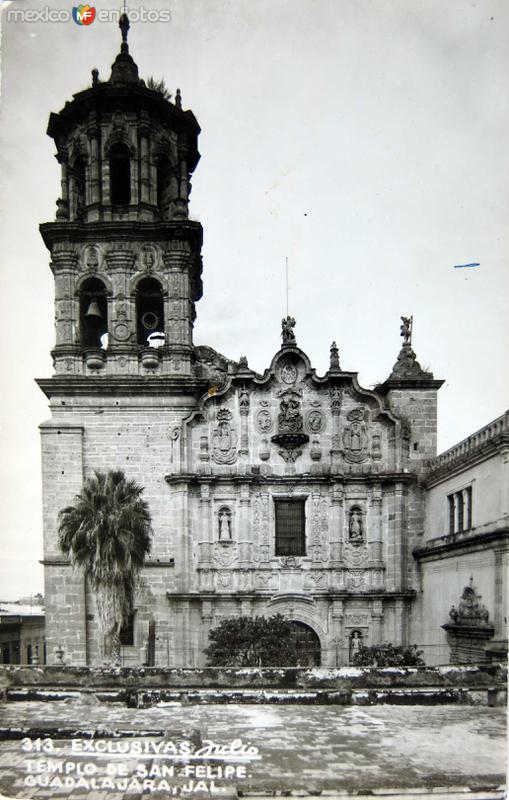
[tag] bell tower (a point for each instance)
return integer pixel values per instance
(127, 268)
(124, 254)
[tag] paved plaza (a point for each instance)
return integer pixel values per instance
(142, 752)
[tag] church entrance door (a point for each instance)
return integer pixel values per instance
(307, 644)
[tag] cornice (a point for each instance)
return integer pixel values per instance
(436, 549)
(375, 594)
(128, 230)
(80, 386)
(291, 480)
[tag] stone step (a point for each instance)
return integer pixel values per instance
(145, 698)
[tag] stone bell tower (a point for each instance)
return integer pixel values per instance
(125, 256)
(127, 267)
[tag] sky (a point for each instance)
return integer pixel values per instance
(364, 140)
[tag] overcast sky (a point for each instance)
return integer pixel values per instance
(365, 140)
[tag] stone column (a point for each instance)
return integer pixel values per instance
(501, 589)
(63, 203)
(337, 633)
(400, 625)
(376, 621)
(105, 172)
(95, 177)
(207, 522)
(244, 430)
(243, 529)
(165, 654)
(178, 315)
(207, 615)
(395, 559)
(144, 167)
(121, 311)
(504, 480)
(337, 524)
(336, 449)
(375, 525)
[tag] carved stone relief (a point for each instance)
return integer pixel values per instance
(356, 580)
(290, 436)
(92, 257)
(266, 580)
(148, 257)
(354, 556)
(355, 436)
(264, 421)
(288, 373)
(314, 421)
(356, 618)
(224, 439)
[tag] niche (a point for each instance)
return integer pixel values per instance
(224, 524)
(163, 183)
(120, 174)
(355, 641)
(93, 314)
(355, 525)
(78, 173)
(149, 313)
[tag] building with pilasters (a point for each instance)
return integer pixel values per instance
(285, 491)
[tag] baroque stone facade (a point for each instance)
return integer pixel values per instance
(280, 492)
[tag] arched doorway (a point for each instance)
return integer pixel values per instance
(307, 645)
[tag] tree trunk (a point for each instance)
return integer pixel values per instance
(115, 648)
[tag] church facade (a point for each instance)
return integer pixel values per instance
(283, 492)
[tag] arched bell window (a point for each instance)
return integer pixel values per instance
(163, 183)
(78, 174)
(93, 313)
(150, 313)
(120, 174)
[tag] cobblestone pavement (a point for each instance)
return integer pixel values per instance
(311, 749)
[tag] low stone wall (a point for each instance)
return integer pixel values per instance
(296, 678)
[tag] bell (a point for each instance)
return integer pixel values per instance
(93, 310)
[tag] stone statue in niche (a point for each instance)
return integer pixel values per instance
(224, 439)
(355, 436)
(290, 418)
(224, 521)
(356, 641)
(355, 526)
(287, 326)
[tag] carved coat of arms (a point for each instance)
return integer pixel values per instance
(224, 439)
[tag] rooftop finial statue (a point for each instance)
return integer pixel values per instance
(334, 356)
(287, 326)
(406, 329)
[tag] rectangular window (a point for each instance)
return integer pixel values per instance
(460, 510)
(468, 508)
(126, 634)
(450, 500)
(461, 517)
(290, 527)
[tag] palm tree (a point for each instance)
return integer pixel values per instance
(107, 532)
